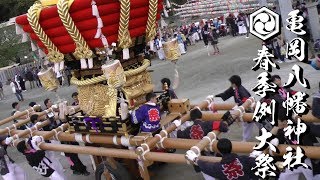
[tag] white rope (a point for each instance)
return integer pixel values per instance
(88, 138)
(198, 149)
(125, 141)
(78, 138)
(57, 136)
(16, 136)
(241, 114)
(144, 152)
(30, 130)
(55, 133)
(213, 139)
(28, 113)
(9, 130)
(207, 138)
(114, 140)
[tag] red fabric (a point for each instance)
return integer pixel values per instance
(50, 14)
(216, 125)
(244, 99)
(109, 12)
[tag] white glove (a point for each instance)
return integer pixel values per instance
(37, 139)
(54, 106)
(210, 98)
(191, 156)
(177, 123)
(255, 154)
(8, 140)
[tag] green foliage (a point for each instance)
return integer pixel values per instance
(11, 46)
(13, 8)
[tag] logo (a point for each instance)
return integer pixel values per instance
(196, 132)
(264, 23)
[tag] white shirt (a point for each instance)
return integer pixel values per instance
(13, 87)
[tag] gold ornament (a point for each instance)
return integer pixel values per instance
(98, 100)
(171, 50)
(48, 79)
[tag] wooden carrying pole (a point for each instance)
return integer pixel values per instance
(19, 114)
(212, 136)
(121, 153)
(175, 143)
(247, 117)
(163, 134)
(25, 121)
(220, 106)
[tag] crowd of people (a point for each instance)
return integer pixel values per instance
(207, 31)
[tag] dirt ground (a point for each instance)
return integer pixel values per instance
(200, 75)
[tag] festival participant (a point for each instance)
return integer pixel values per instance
(316, 104)
(205, 32)
(75, 98)
(38, 159)
(16, 89)
(231, 24)
(158, 45)
(8, 169)
(73, 159)
(148, 115)
(166, 87)
(15, 110)
(1, 92)
(214, 40)
(240, 95)
(31, 104)
(241, 22)
(197, 129)
(230, 167)
(306, 139)
(282, 91)
(180, 43)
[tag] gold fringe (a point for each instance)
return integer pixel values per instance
(124, 39)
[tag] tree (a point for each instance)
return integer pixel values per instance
(13, 8)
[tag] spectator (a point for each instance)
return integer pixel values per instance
(68, 74)
(59, 77)
(36, 77)
(29, 77)
(19, 79)
(1, 91)
(16, 89)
